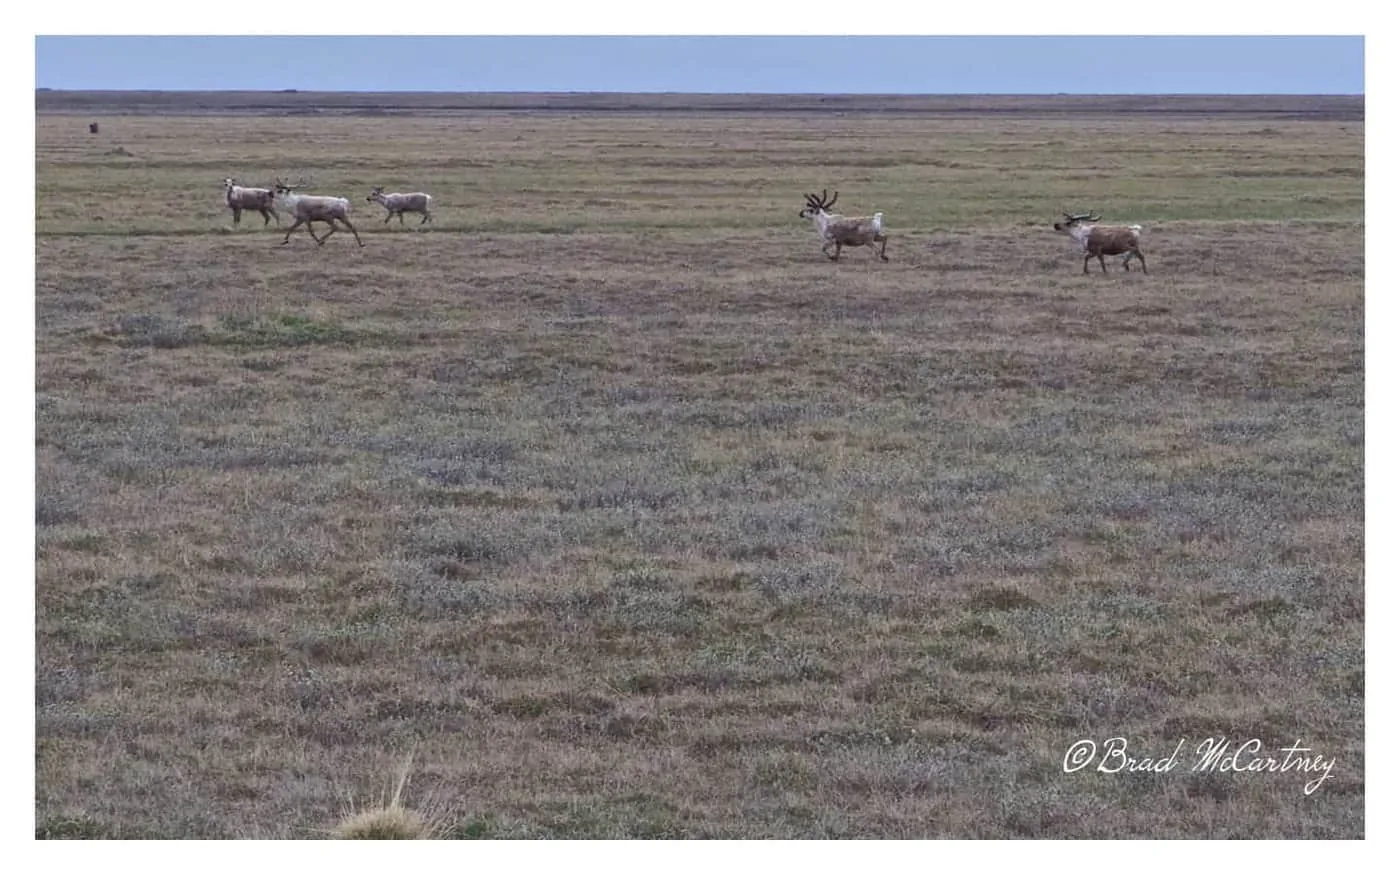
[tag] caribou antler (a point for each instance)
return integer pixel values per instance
(821, 203)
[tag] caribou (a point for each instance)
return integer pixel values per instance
(307, 208)
(1100, 240)
(240, 198)
(398, 204)
(836, 230)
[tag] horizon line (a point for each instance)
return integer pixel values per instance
(48, 89)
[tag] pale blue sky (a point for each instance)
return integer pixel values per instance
(719, 64)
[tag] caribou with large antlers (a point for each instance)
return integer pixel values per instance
(1100, 240)
(837, 230)
(309, 208)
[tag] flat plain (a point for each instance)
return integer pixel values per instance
(620, 511)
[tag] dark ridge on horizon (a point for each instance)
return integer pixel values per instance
(296, 102)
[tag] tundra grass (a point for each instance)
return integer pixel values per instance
(631, 515)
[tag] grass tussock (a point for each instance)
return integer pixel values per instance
(390, 818)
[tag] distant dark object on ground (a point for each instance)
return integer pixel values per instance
(288, 91)
(92, 128)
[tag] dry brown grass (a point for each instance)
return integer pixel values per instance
(390, 817)
(636, 517)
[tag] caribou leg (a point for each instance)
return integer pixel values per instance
(347, 224)
(295, 225)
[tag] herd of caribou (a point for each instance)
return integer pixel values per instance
(308, 208)
(835, 230)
